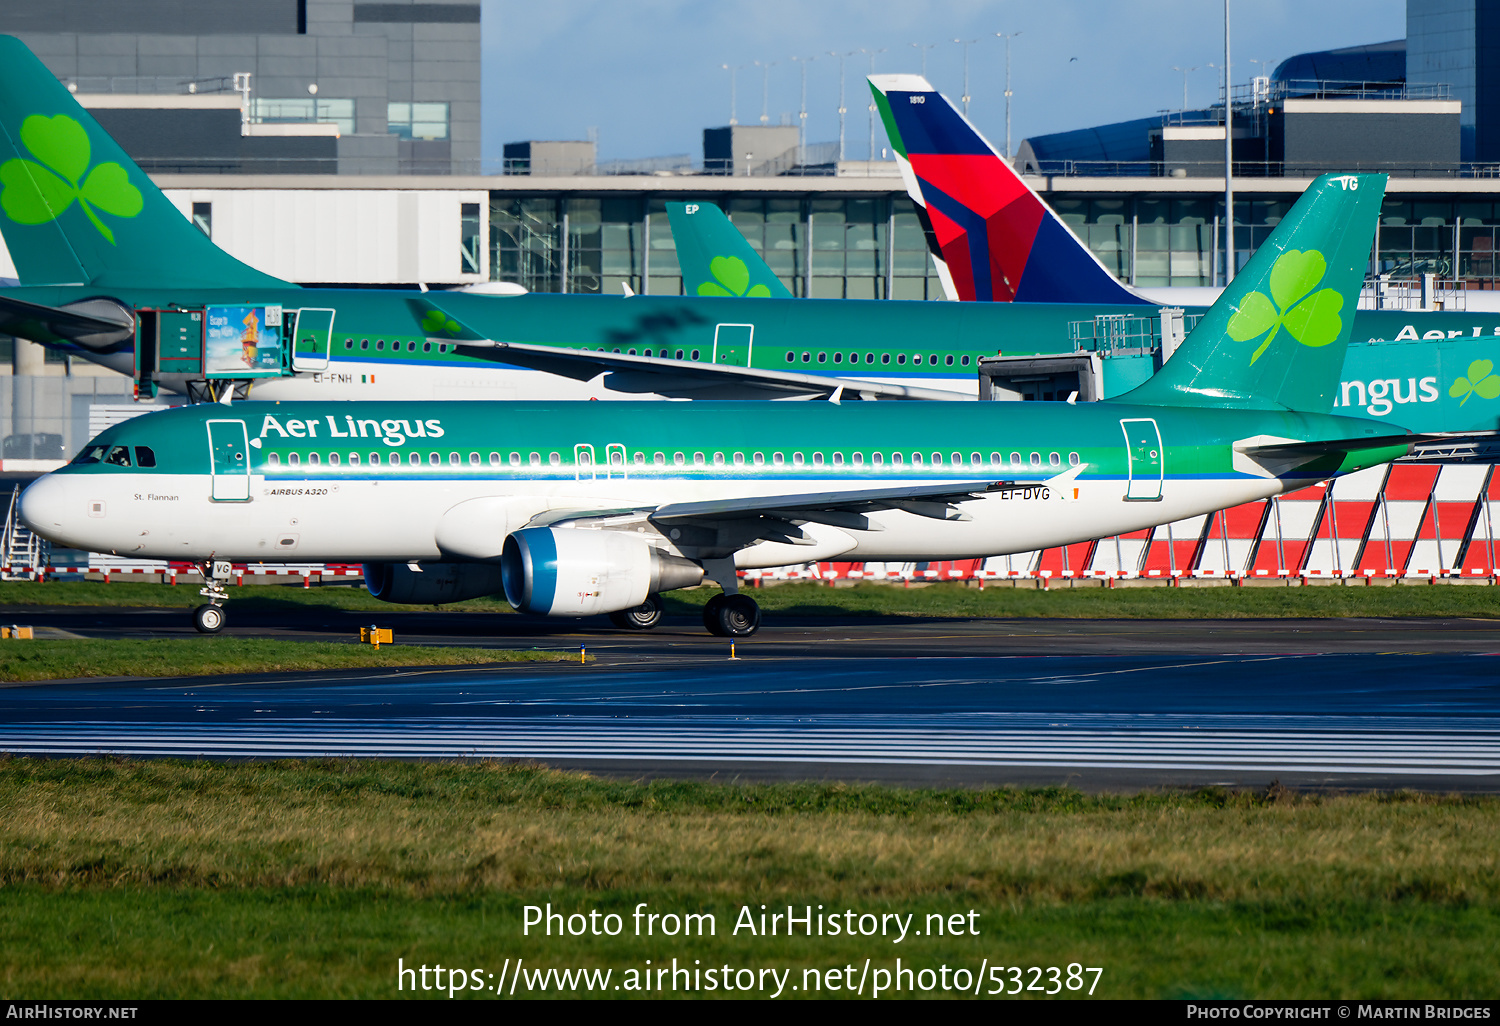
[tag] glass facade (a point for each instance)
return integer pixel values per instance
(311, 109)
(872, 247)
(828, 247)
(418, 120)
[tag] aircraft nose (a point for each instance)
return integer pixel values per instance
(51, 506)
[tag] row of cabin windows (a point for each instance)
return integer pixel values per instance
(411, 347)
(932, 359)
(698, 459)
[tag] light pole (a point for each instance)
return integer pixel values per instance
(732, 69)
(765, 90)
(842, 109)
(924, 47)
(802, 114)
(872, 54)
(966, 43)
(1185, 73)
(1007, 36)
(1228, 160)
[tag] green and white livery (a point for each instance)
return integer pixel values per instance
(574, 509)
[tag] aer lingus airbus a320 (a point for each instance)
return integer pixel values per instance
(575, 509)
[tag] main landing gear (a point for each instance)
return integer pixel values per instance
(731, 616)
(209, 618)
(642, 617)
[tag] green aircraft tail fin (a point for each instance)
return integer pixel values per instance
(716, 259)
(74, 209)
(1276, 337)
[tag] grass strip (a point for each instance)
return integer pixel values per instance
(311, 878)
(22, 661)
(811, 599)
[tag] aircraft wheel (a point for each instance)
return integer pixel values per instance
(640, 618)
(739, 617)
(209, 619)
(711, 610)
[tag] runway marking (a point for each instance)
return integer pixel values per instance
(1471, 753)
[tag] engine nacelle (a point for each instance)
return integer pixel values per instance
(568, 571)
(433, 583)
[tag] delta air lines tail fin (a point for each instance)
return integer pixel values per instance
(75, 210)
(1277, 336)
(991, 235)
(716, 259)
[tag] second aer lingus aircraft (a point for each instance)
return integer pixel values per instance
(575, 509)
(112, 272)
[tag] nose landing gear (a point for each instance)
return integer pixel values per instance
(209, 618)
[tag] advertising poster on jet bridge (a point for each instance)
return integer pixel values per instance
(243, 342)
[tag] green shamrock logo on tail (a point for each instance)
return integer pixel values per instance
(1312, 318)
(37, 191)
(733, 280)
(436, 321)
(1480, 382)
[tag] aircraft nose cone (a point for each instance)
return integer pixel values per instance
(50, 506)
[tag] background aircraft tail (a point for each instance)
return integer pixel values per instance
(74, 209)
(992, 235)
(716, 258)
(1277, 336)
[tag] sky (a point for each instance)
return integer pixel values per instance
(647, 76)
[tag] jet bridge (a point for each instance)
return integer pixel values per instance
(1112, 353)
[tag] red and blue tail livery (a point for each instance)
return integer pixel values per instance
(992, 238)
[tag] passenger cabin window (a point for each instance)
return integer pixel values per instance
(875, 458)
(293, 459)
(494, 459)
(916, 459)
(739, 459)
(678, 459)
(515, 459)
(1015, 460)
(796, 459)
(1073, 460)
(312, 459)
(659, 459)
(937, 459)
(375, 459)
(333, 459)
(535, 459)
(415, 459)
(640, 459)
(859, 459)
(759, 459)
(778, 460)
(274, 460)
(554, 459)
(354, 459)
(434, 459)
(895, 459)
(817, 459)
(1036, 459)
(697, 459)
(718, 459)
(1055, 460)
(453, 459)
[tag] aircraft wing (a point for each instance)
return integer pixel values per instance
(50, 324)
(685, 378)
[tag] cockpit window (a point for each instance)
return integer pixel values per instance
(144, 457)
(92, 454)
(119, 456)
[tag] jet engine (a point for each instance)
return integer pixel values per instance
(569, 571)
(430, 584)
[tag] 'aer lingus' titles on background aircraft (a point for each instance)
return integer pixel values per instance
(581, 508)
(112, 272)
